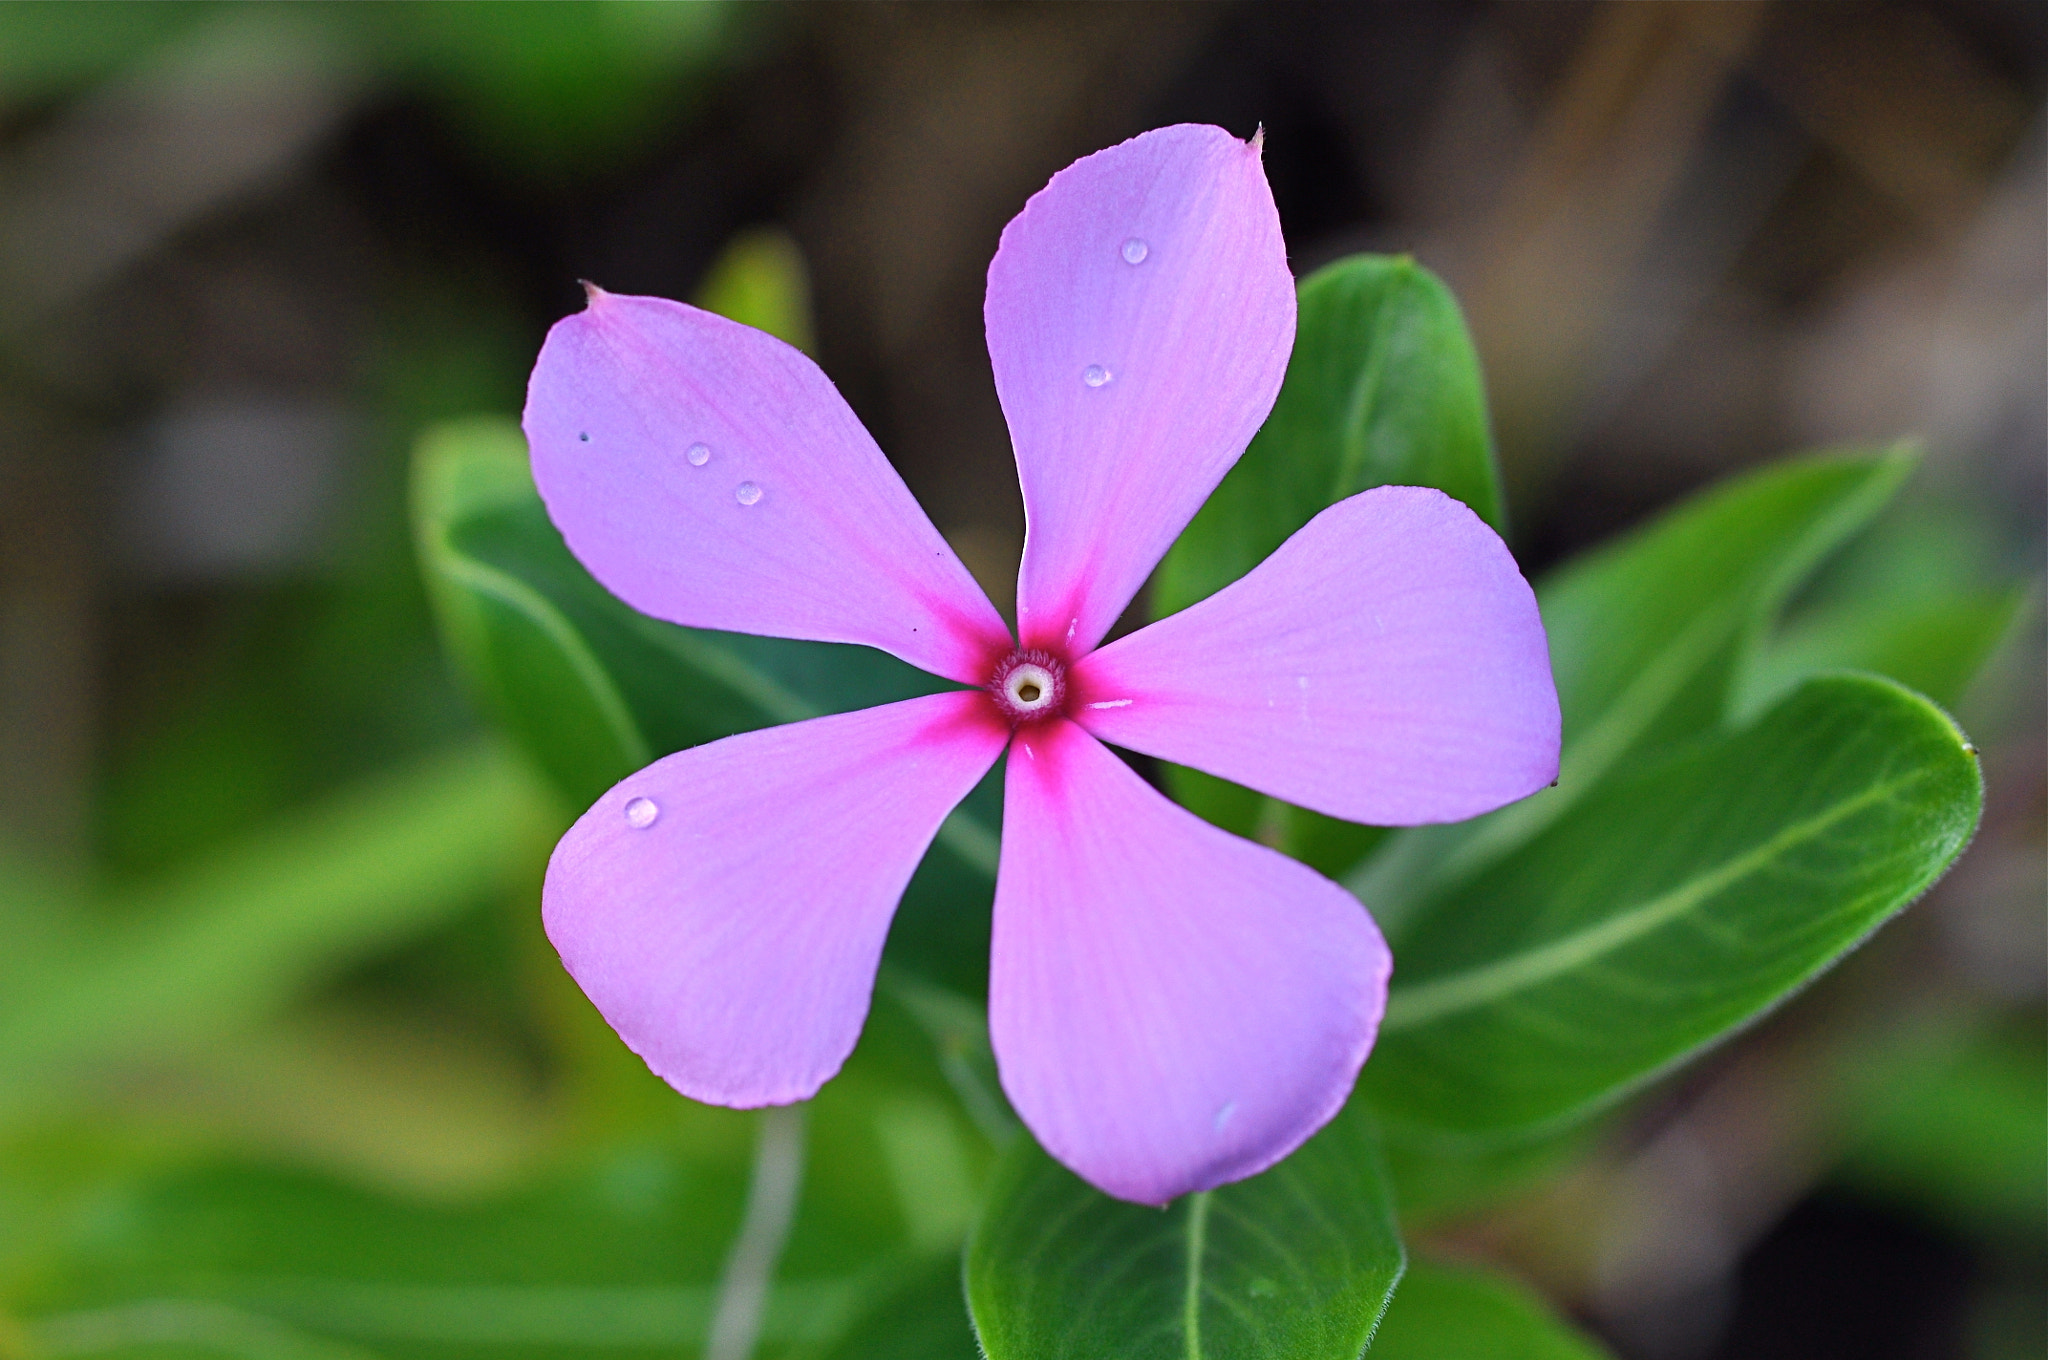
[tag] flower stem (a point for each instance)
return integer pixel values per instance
(771, 1207)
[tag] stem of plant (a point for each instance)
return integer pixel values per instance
(771, 1207)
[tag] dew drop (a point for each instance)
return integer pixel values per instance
(1223, 1116)
(640, 813)
(1135, 251)
(698, 454)
(746, 493)
(1095, 375)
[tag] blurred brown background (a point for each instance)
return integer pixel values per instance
(246, 251)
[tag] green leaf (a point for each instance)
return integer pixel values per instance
(1382, 389)
(1951, 1126)
(925, 1320)
(1935, 646)
(590, 686)
(1459, 1313)
(232, 937)
(759, 280)
(1438, 1179)
(524, 656)
(1297, 1262)
(613, 1247)
(594, 690)
(1671, 907)
(1648, 637)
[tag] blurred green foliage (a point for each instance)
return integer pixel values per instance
(290, 1071)
(1459, 1313)
(553, 87)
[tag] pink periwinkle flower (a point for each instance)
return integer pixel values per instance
(1171, 1007)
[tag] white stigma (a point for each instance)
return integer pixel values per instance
(1030, 687)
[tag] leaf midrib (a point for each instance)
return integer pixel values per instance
(509, 590)
(1428, 1002)
(1191, 1297)
(1364, 398)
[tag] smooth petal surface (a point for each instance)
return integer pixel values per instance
(1140, 315)
(1172, 1007)
(732, 940)
(1387, 664)
(710, 475)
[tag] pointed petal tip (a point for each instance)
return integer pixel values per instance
(692, 414)
(1132, 385)
(1258, 141)
(593, 296)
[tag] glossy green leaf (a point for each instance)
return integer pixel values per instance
(1382, 389)
(1670, 907)
(1461, 1313)
(1297, 1262)
(1648, 638)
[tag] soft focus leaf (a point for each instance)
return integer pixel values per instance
(1297, 1262)
(1935, 646)
(1647, 640)
(759, 280)
(234, 935)
(1953, 1127)
(925, 1320)
(1670, 907)
(1383, 388)
(559, 88)
(593, 690)
(517, 647)
(410, 1103)
(591, 687)
(1438, 1179)
(619, 1257)
(1459, 1313)
(612, 1248)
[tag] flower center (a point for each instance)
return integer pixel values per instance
(1029, 686)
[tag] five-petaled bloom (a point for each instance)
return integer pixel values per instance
(1172, 1007)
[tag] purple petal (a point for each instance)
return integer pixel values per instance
(1386, 665)
(1140, 315)
(1172, 1007)
(725, 907)
(711, 475)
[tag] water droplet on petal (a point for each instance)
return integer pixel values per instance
(1135, 251)
(746, 493)
(1095, 375)
(698, 454)
(640, 813)
(1223, 1115)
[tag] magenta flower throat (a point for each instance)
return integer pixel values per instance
(1171, 1007)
